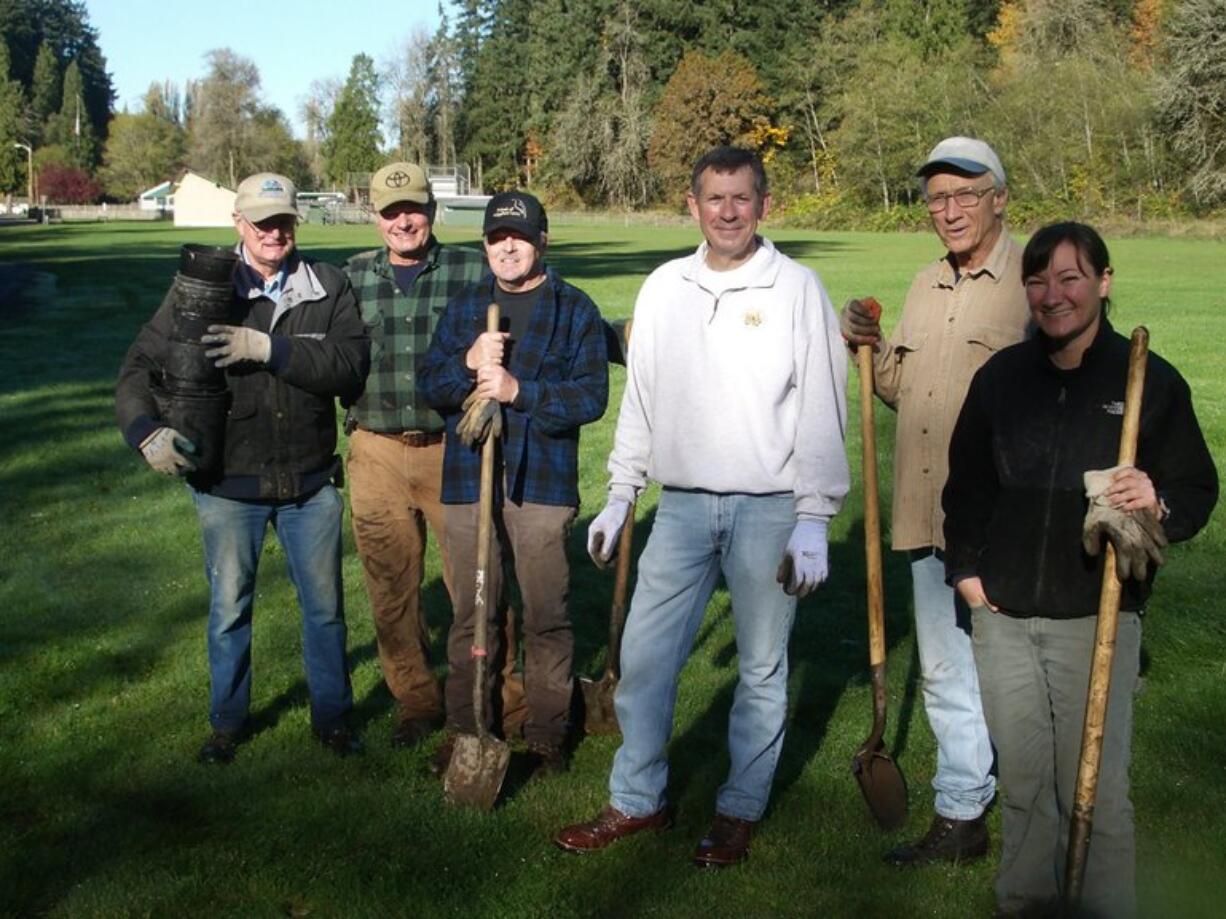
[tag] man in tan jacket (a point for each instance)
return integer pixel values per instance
(959, 311)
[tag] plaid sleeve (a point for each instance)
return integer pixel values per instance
(556, 407)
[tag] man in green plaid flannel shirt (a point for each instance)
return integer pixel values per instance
(396, 440)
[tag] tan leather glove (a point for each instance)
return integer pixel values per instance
(169, 452)
(482, 419)
(1137, 535)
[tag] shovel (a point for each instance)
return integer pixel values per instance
(1104, 648)
(599, 716)
(479, 762)
(880, 779)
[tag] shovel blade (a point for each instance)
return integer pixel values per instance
(474, 776)
(884, 788)
(599, 715)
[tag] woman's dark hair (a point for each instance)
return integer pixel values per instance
(1090, 248)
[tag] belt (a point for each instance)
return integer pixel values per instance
(412, 438)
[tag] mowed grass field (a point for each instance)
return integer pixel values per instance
(103, 683)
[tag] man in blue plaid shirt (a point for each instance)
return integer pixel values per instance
(544, 375)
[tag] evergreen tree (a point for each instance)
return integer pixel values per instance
(12, 160)
(63, 26)
(353, 130)
(71, 127)
(46, 92)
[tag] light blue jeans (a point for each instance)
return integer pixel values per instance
(695, 537)
(963, 783)
(309, 531)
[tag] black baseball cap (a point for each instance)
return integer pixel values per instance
(515, 210)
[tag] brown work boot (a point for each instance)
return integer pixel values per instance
(412, 731)
(610, 826)
(726, 843)
(946, 841)
(551, 759)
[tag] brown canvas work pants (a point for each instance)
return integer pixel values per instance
(394, 493)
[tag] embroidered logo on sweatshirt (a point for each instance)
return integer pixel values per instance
(753, 318)
(1113, 408)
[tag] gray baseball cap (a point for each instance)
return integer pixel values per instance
(265, 195)
(967, 154)
(398, 182)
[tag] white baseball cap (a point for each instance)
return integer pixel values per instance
(966, 154)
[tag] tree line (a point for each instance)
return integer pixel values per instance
(1097, 106)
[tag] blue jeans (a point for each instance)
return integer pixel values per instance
(309, 531)
(697, 535)
(963, 783)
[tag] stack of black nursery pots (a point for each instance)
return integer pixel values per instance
(195, 390)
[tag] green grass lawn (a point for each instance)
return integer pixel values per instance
(103, 683)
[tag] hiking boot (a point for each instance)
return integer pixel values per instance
(340, 740)
(219, 749)
(946, 841)
(551, 759)
(412, 731)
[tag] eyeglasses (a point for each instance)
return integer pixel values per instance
(965, 198)
(284, 223)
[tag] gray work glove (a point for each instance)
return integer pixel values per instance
(169, 452)
(482, 419)
(238, 343)
(603, 533)
(860, 321)
(1137, 535)
(805, 560)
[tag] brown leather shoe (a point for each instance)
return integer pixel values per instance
(726, 843)
(610, 826)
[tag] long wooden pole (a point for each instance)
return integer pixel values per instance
(481, 600)
(1104, 647)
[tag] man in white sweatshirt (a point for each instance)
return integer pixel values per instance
(735, 404)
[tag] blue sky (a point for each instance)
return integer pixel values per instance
(294, 43)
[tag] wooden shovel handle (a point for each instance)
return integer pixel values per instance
(1104, 644)
(872, 515)
(617, 614)
(485, 526)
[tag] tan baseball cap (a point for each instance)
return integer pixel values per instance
(265, 195)
(398, 182)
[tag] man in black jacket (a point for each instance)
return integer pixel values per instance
(296, 343)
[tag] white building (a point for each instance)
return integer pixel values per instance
(201, 202)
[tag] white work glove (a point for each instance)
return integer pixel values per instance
(805, 563)
(1137, 535)
(168, 452)
(238, 343)
(602, 535)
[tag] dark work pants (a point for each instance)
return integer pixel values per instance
(533, 538)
